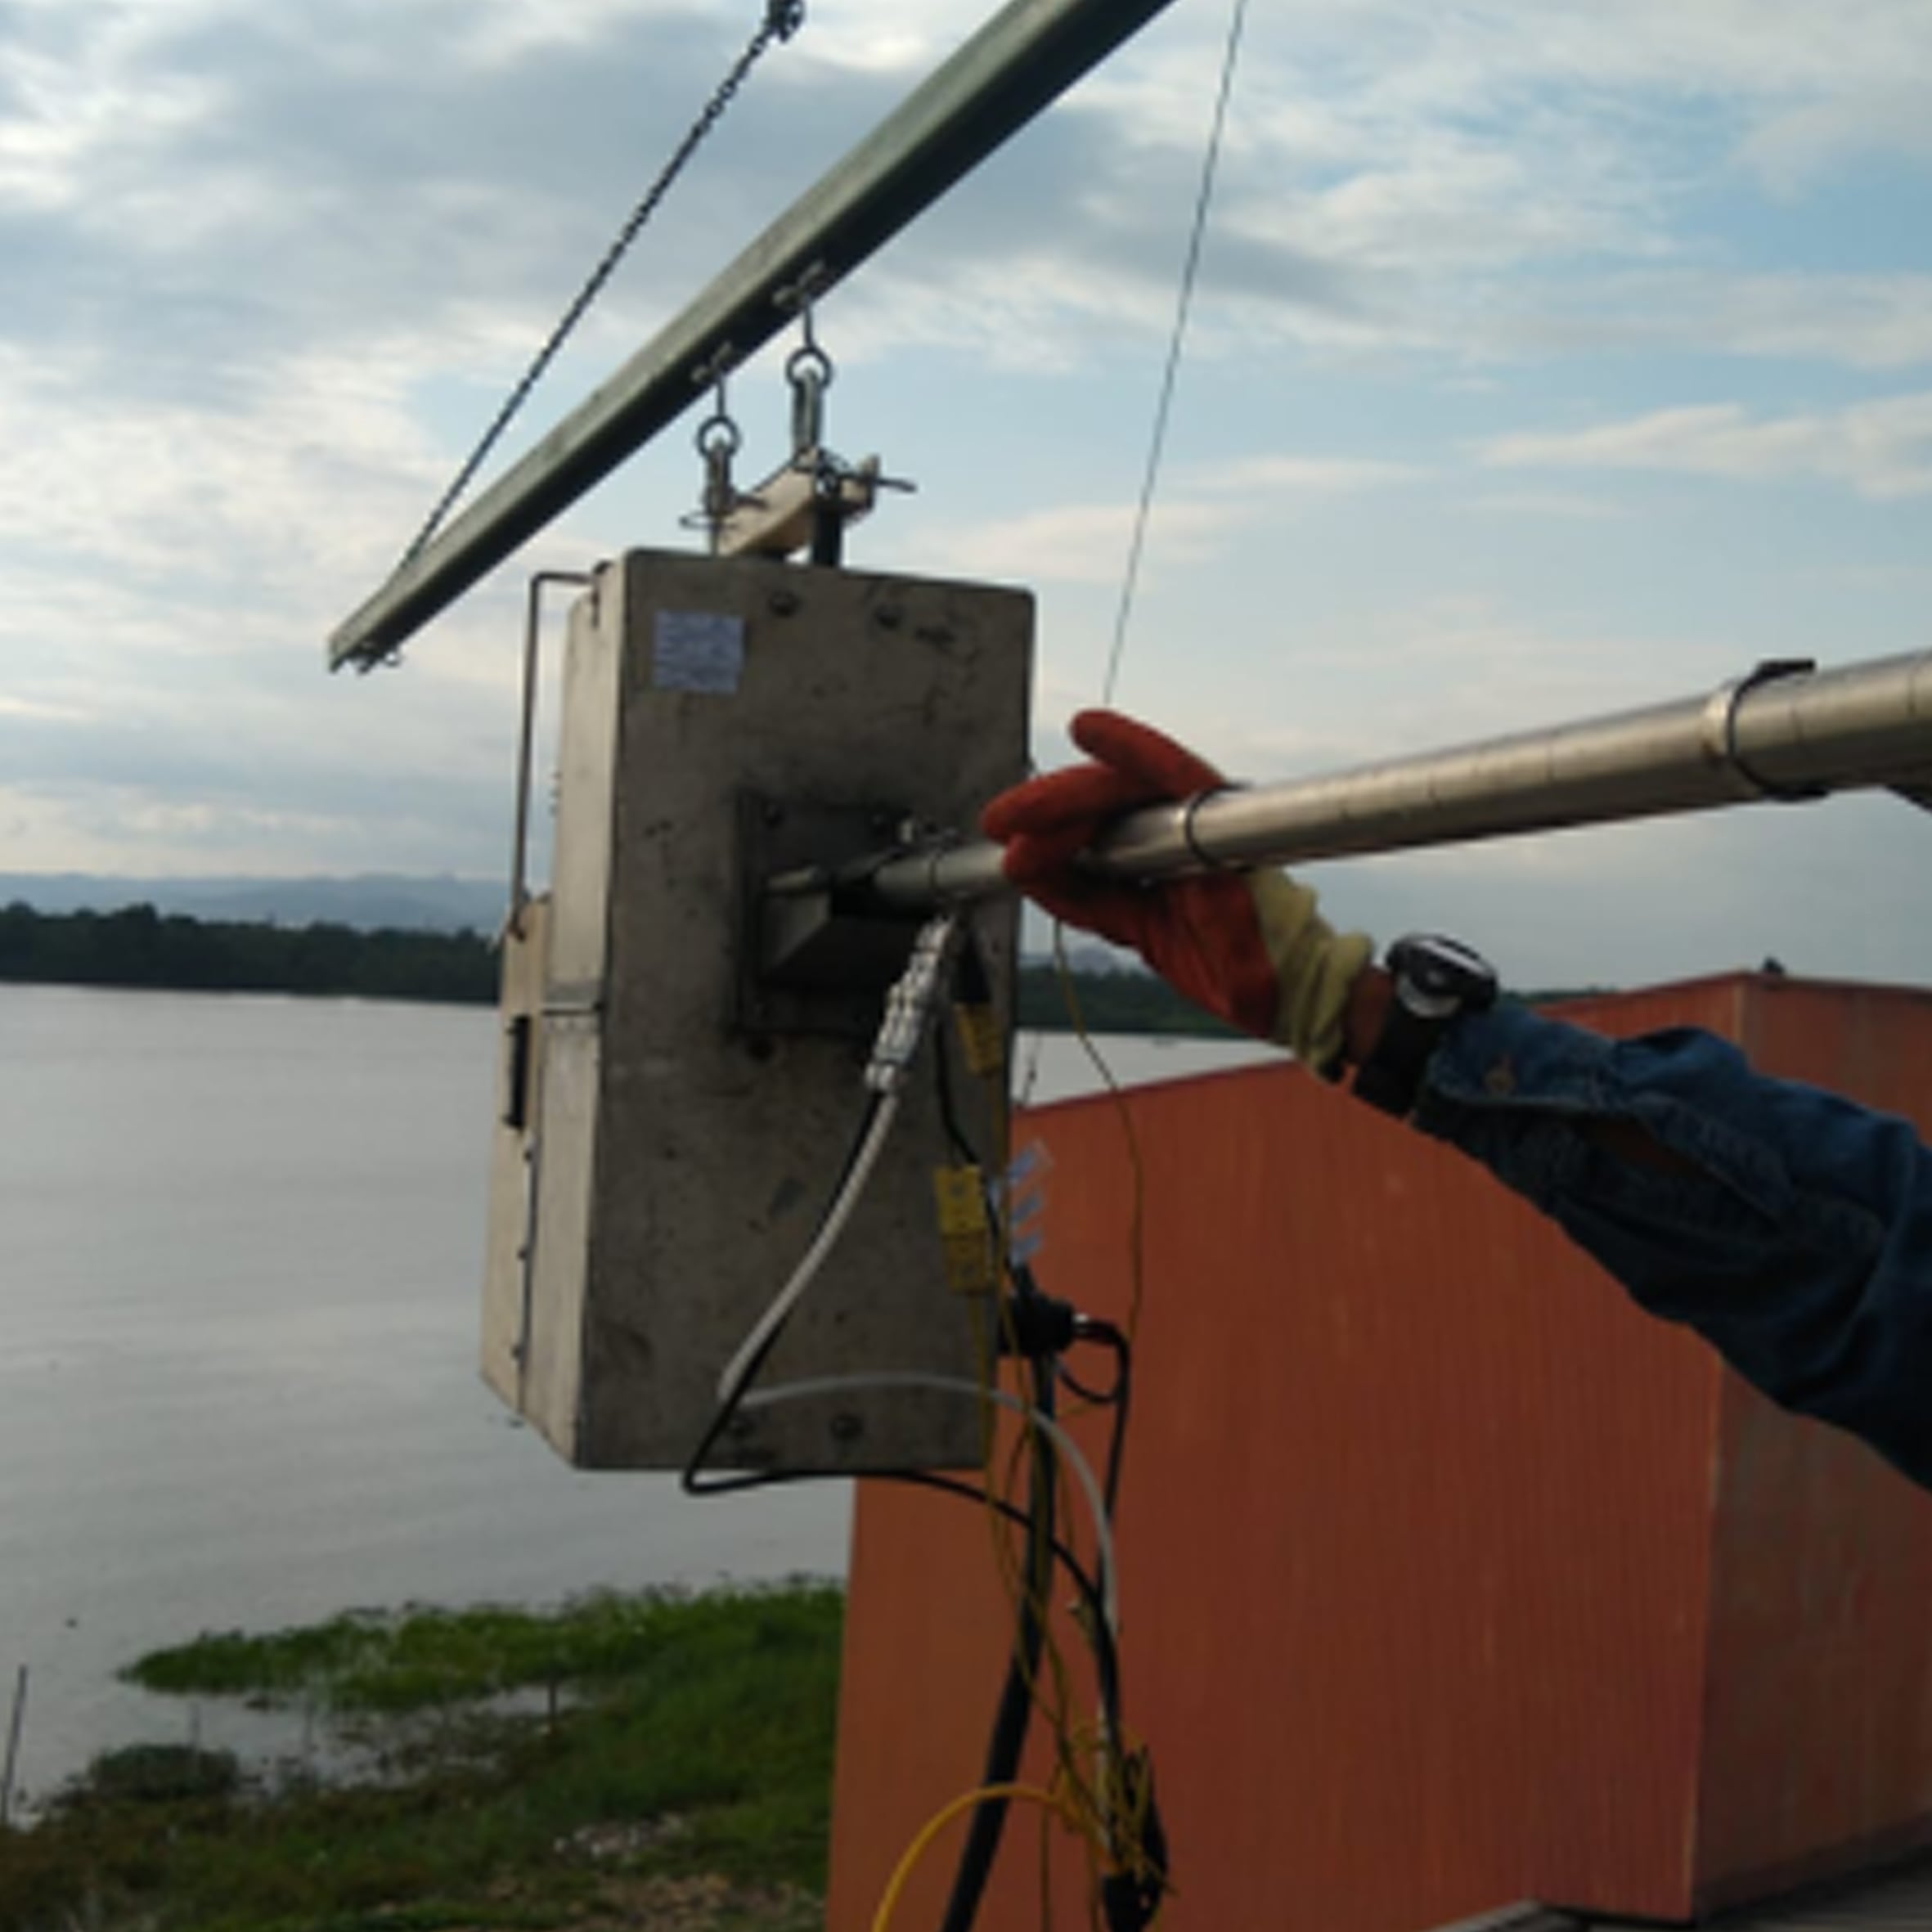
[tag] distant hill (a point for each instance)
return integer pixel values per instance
(366, 902)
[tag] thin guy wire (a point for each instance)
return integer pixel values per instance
(782, 18)
(1183, 304)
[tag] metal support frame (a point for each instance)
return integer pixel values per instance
(1784, 732)
(519, 850)
(1018, 63)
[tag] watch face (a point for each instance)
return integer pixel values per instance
(1442, 974)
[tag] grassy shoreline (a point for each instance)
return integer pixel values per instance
(657, 1759)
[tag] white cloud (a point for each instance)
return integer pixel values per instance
(1295, 476)
(1881, 449)
(1566, 505)
(1790, 150)
(313, 479)
(1859, 321)
(1206, 512)
(1077, 543)
(38, 707)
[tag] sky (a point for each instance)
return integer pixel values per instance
(1547, 358)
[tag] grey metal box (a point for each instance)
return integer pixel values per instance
(673, 1151)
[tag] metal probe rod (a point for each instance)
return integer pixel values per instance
(1780, 733)
(1023, 59)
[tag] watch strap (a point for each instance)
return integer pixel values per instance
(1391, 1077)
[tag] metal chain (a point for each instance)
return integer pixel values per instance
(783, 18)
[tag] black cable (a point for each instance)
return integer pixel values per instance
(1034, 1325)
(1092, 1602)
(1012, 1715)
(1014, 1711)
(1087, 1329)
(1119, 1399)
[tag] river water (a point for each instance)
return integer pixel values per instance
(241, 1240)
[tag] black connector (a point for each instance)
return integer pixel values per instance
(1129, 1899)
(1128, 1903)
(1034, 1324)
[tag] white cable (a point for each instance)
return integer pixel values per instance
(951, 1385)
(909, 1011)
(788, 1298)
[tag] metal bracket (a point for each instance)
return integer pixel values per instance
(781, 516)
(1721, 729)
(818, 959)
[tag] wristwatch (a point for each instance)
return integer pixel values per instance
(1436, 979)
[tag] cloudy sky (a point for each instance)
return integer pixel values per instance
(1549, 357)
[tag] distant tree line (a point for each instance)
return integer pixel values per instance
(137, 947)
(1125, 1001)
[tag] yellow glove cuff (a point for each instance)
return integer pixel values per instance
(1315, 967)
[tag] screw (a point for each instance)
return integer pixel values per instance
(888, 617)
(782, 603)
(847, 1427)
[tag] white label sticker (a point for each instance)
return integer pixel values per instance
(698, 650)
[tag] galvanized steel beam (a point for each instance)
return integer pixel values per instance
(1785, 732)
(1020, 61)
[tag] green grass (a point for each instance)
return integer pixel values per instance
(369, 1660)
(715, 1712)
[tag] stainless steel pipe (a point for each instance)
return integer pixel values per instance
(1783, 732)
(1023, 60)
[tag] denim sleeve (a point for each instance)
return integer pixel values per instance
(1802, 1247)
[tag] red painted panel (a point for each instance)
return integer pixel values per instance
(1416, 1546)
(1819, 1743)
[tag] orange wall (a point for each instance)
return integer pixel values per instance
(1819, 1691)
(1448, 1579)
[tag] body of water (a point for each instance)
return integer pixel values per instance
(240, 1245)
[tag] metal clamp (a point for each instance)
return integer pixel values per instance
(1720, 729)
(1203, 857)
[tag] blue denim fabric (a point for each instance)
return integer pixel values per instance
(1802, 1250)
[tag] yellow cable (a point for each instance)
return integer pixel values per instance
(1030, 1794)
(1052, 1697)
(1088, 1800)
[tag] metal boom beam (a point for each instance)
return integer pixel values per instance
(1783, 732)
(1023, 59)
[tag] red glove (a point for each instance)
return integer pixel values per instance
(1248, 946)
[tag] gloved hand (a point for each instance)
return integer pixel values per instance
(1248, 946)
